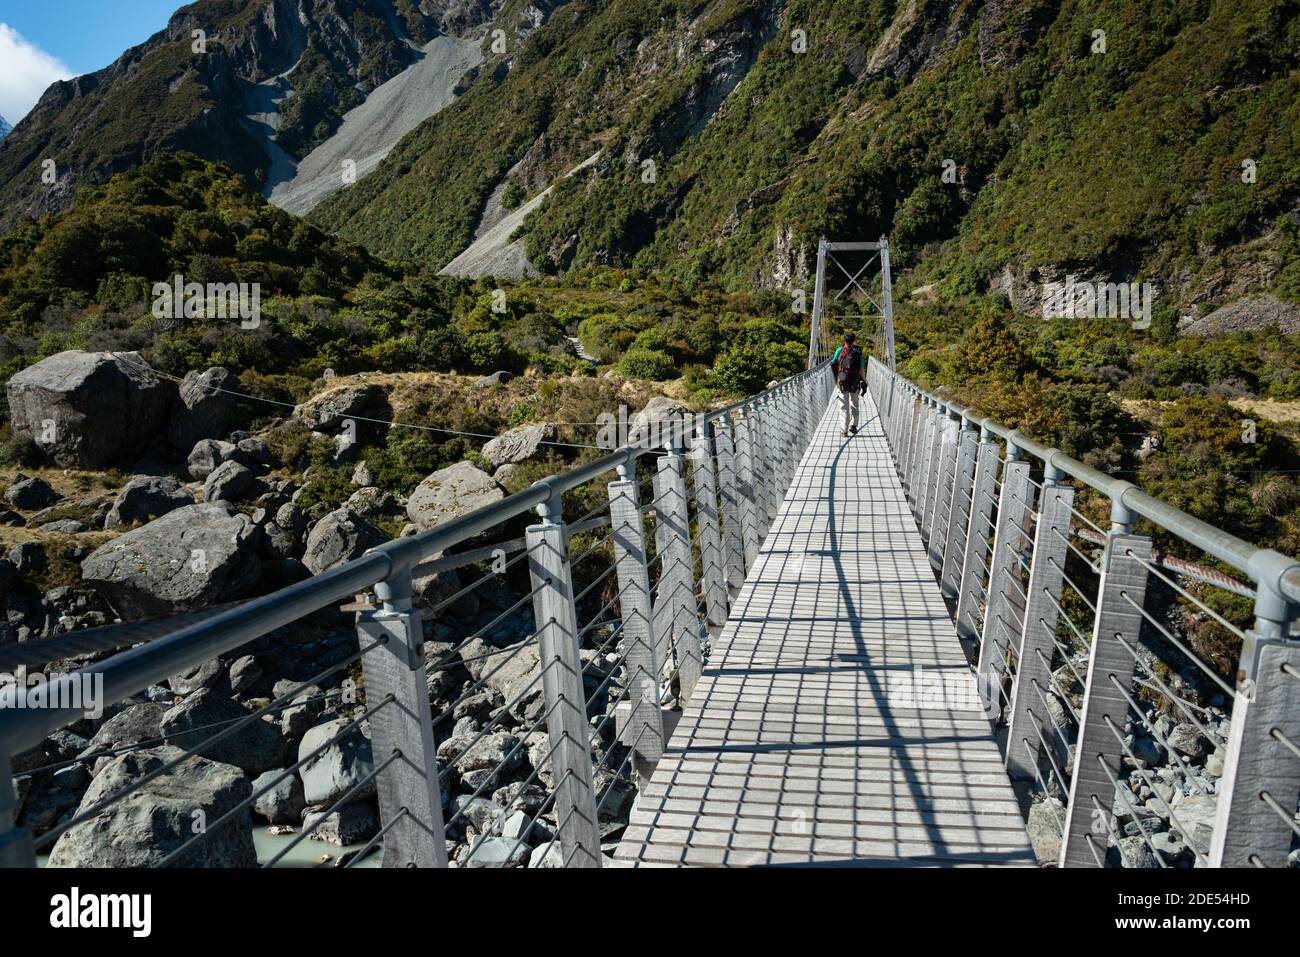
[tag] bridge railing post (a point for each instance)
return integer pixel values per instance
(1004, 609)
(1030, 724)
(729, 497)
(749, 528)
(975, 554)
(566, 702)
(760, 449)
(1106, 696)
(959, 512)
(712, 560)
(409, 795)
(1254, 823)
(643, 730)
(676, 618)
(936, 526)
(921, 469)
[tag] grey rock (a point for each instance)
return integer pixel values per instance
(1196, 814)
(158, 818)
(1171, 848)
(1187, 740)
(256, 747)
(451, 492)
(46, 806)
(144, 498)
(495, 852)
(518, 445)
(508, 671)
(1260, 312)
(371, 503)
(485, 763)
(203, 408)
(206, 675)
(363, 475)
(330, 410)
(339, 537)
(339, 767)
(1134, 853)
(207, 454)
(69, 526)
(353, 823)
(496, 378)
(27, 556)
(104, 408)
(521, 796)
(245, 673)
(228, 482)
(283, 803)
(130, 726)
(190, 558)
(255, 451)
(547, 856)
(480, 813)
(659, 417)
(30, 493)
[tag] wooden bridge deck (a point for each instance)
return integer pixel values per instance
(801, 744)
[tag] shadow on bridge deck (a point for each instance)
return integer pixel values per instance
(837, 722)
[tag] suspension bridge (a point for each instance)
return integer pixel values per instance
(795, 647)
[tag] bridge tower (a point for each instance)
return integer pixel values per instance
(864, 294)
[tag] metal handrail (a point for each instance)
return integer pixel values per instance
(132, 671)
(1270, 569)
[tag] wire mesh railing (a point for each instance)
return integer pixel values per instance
(500, 713)
(1140, 742)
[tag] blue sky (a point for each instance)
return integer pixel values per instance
(45, 40)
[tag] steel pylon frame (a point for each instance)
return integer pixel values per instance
(826, 250)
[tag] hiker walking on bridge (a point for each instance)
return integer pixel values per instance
(846, 364)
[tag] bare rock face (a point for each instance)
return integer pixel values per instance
(89, 410)
(193, 557)
(1247, 315)
(204, 407)
(146, 826)
(451, 492)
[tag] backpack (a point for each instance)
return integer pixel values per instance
(843, 370)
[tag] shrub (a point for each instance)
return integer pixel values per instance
(639, 363)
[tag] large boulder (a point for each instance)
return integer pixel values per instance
(30, 494)
(208, 454)
(193, 557)
(362, 403)
(205, 402)
(339, 767)
(282, 802)
(339, 537)
(146, 497)
(228, 482)
(518, 445)
(143, 828)
(656, 421)
(130, 726)
(194, 723)
(451, 492)
(89, 410)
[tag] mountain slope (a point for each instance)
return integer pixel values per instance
(263, 80)
(1122, 164)
(5, 127)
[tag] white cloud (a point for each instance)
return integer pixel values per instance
(28, 72)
